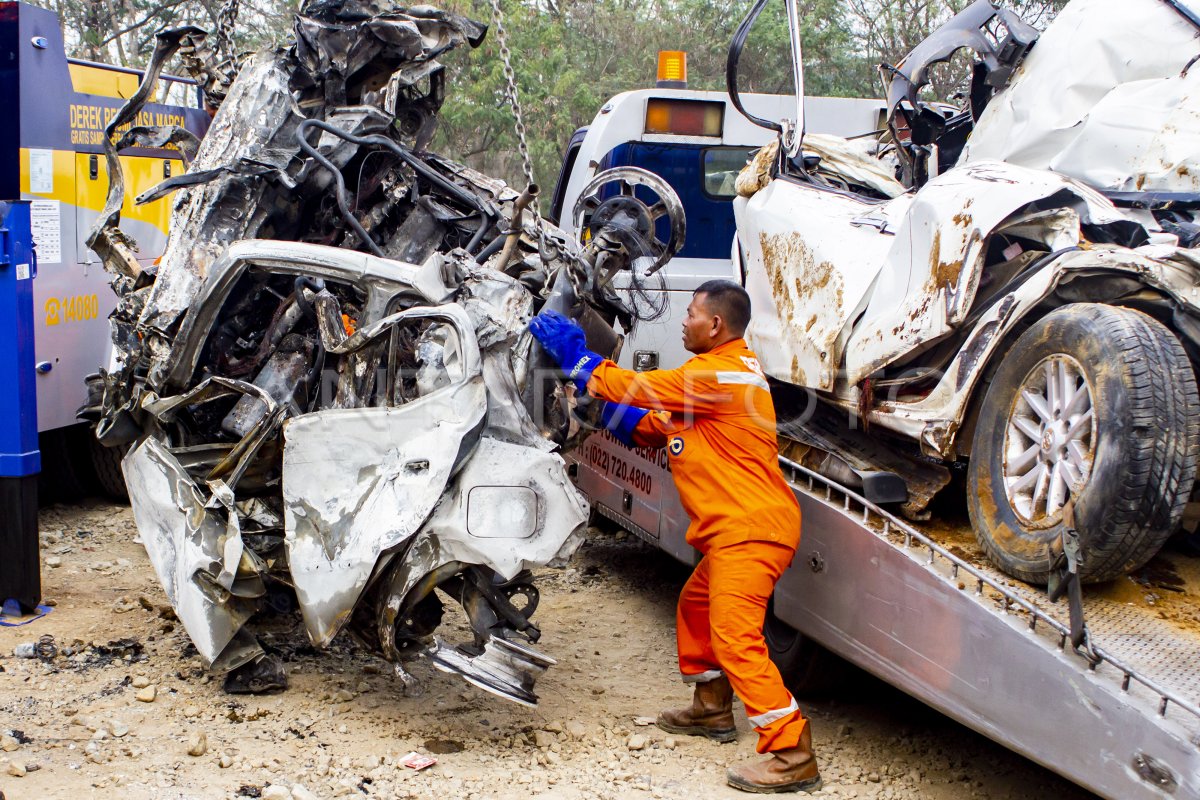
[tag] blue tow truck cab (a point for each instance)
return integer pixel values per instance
(698, 142)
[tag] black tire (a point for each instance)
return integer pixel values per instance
(107, 464)
(808, 669)
(66, 473)
(1144, 441)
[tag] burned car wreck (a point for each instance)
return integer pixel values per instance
(1007, 292)
(327, 383)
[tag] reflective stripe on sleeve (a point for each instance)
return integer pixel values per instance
(747, 378)
(704, 677)
(763, 720)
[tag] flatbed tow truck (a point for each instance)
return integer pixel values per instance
(920, 606)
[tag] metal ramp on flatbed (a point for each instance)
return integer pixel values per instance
(994, 653)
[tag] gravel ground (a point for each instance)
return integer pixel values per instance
(141, 718)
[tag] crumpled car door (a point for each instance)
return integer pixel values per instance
(928, 281)
(195, 547)
(358, 482)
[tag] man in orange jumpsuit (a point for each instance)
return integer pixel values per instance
(715, 417)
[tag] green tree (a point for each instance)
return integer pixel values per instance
(572, 55)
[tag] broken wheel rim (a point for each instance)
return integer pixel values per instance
(1050, 441)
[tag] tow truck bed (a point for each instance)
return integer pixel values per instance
(925, 612)
(992, 652)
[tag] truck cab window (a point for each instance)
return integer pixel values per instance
(721, 166)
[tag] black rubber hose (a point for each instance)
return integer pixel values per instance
(312, 379)
(731, 67)
(418, 166)
(316, 284)
(491, 250)
(340, 194)
(484, 224)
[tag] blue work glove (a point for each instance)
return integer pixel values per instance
(621, 421)
(563, 339)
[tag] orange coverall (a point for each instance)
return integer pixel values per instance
(718, 424)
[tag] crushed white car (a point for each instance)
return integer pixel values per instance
(327, 386)
(1024, 301)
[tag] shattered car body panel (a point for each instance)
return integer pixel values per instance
(934, 419)
(888, 277)
(194, 552)
(270, 93)
(813, 285)
(1122, 119)
(328, 382)
(972, 28)
(934, 265)
(380, 281)
(358, 482)
(927, 141)
(1016, 206)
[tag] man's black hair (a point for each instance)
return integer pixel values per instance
(727, 300)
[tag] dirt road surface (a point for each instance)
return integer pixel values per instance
(141, 718)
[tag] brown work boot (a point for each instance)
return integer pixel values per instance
(710, 714)
(792, 770)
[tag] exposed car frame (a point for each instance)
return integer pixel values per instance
(327, 387)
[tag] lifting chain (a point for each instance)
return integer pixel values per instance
(226, 18)
(510, 78)
(578, 269)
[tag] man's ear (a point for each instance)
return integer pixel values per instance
(718, 325)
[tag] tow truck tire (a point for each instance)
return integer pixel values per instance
(66, 475)
(1140, 449)
(107, 463)
(807, 668)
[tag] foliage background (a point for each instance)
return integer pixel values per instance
(572, 55)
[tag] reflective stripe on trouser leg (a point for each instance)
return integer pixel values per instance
(782, 732)
(740, 580)
(763, 720)
(696, 659)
